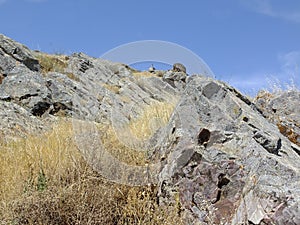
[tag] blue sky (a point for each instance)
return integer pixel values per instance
(250, 44)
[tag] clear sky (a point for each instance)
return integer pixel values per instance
(250, 44)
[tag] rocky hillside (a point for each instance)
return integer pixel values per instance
(218, 156)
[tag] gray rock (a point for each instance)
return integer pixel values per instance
(178, 67)
(282, 109)
(243, 167)
(220, 157)
(175, 79)
(18, 52)
(18, 122)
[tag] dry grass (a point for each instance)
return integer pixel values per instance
(55, 63)
(25, 161)
(113, 88)
(122, 151)
(143, 74)
(52, 63)
(152, 117)
(289, 132)
(126, 143)
(44, 180)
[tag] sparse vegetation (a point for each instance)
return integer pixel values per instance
(120, 143)
(143, 74)
(45, 180)
(152, 117)
(121, 151)
(52, 63)
(113, 88)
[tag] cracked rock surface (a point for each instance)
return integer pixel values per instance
(222, 158)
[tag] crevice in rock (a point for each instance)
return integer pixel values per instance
(252, 126)
(245, 99)
(268, 143)
(279, 145)
(240, 96)
(16, 51)
(27, 96)
(30, 63)
(218, 197)
(203, 137)
(173, 130)
(246, 119)
(223, 180)
(170, 82)
(85, 65)
(6, 99)
(40, 108)
(296, 150)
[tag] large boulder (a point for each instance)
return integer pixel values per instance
(178, 67)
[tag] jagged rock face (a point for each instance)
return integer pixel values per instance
(87, 88)
(219, 158)
(17, 121)
(282, 109)
(226, 162)
(13, 53)
(175, 79)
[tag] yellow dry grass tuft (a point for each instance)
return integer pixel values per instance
(55, 63)
(113, 88)
(143, 74)
(52, 63)
(126, 142)
(120, 150)
(45, 180)
(37, 161)
(151, 118)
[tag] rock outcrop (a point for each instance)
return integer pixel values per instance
(282, 109)
(221, 158)
(175, 79)
(12, 54)
(225, 162)
(178, 67)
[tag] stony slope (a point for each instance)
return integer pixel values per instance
(221, 157)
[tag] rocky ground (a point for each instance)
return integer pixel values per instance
(222, 157)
